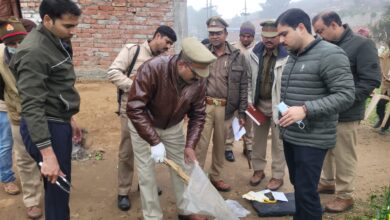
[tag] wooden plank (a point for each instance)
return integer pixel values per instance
(178, 170)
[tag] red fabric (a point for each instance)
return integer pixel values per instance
(13, 34)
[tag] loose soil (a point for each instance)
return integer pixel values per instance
(95, 181)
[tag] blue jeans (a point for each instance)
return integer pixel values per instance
(304, 166)
(6, 173)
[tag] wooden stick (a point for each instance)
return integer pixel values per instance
(178, 170)
(374, 101)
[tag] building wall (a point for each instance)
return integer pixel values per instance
(106, 25)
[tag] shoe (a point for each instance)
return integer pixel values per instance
(220, 185)
(192, 217)
(274, 184)
(229, 156)
(326, 189)
(257, 177)
(382, 131)
(123, 203)
(34, 212)
(339, 205)
(11, 188)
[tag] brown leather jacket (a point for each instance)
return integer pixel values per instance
(10, 8)
(155, 101)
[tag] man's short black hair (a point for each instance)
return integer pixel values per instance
(57, 8)
(205, 41)
(328, 17)
(164, 30)
(293, 17)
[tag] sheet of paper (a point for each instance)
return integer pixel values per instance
(280, 196)
(237, 130)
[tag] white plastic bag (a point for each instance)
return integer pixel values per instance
(200, 197)
(238, 210)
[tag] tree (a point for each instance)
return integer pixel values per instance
(381, 30)
(197, 22)
(273, 8)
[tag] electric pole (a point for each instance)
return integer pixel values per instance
(245, 13)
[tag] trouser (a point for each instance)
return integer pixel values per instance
(340, 162)
(248, 136)
(30, 175)
(304, 166)
(6, 173)
(56, 200)
(380, 111)
(125, 158)
(260, 149)
(174, 142)
(216, 124)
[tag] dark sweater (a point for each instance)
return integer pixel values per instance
(363, 58)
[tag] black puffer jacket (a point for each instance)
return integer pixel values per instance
(363, 57)
(321, 79)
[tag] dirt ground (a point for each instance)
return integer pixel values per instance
(95, 181)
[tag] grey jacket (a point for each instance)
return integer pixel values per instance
(237, 83)
(319, 78)
(364, 62)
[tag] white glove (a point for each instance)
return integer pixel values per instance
(158, 153)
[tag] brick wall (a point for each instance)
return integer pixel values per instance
(106, 25)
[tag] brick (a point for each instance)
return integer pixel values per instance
(136, 4)
(102, 54)
(119, 4)
(152, 5)
(90, 12)
(121, 9)
(106, 8)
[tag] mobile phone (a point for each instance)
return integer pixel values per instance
(282, 107)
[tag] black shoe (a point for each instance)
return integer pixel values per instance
(159, 190)
(229, 156)
(123, 203)
(382, 131)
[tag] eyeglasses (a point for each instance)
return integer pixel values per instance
(66, 184)
(196, 75)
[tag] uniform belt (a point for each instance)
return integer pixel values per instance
(215, 101)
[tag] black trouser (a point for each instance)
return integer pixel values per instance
(56, 200)
(304, 166)
(380, 111)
